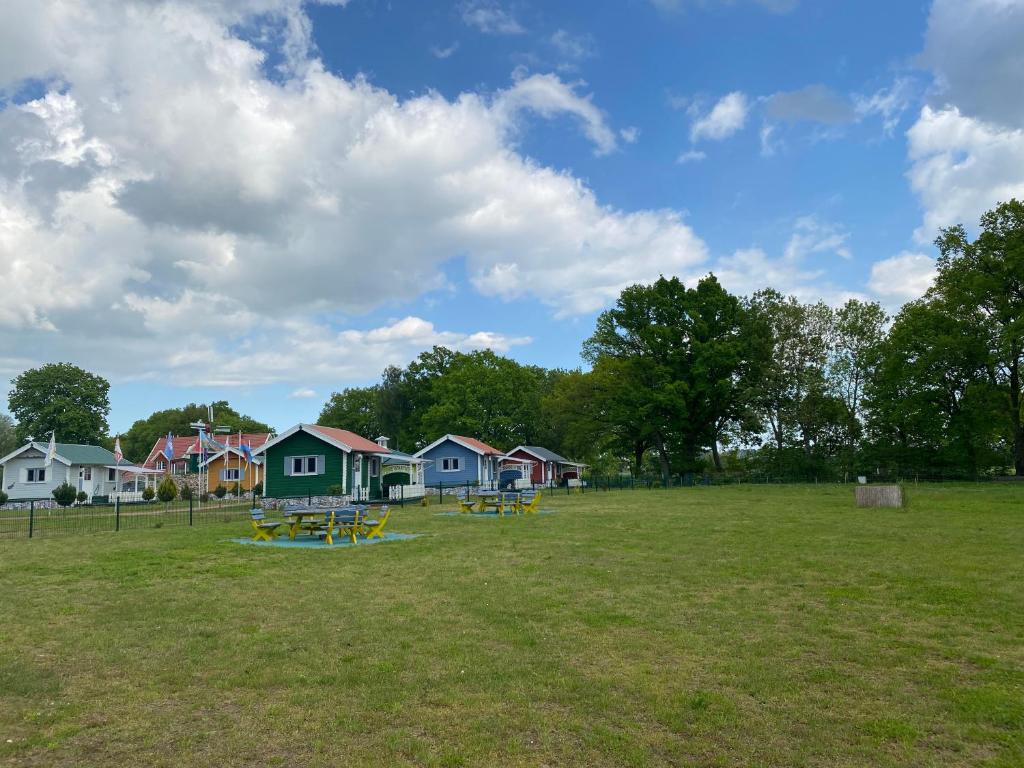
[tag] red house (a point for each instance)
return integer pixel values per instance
(548, 467)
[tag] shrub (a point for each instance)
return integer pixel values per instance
(3, 497)
(65, 494)
(335, 490)
(148, 493)
(258, 489)
(185, 492)
(236, 489)
(167, 490)
(82, 497)
(204, 497)
(220, 491)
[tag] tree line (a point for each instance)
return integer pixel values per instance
(689, 379)
(686, 379)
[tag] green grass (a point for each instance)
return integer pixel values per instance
(757, 626)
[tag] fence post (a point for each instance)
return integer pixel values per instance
(190, 510)
(31, 517)
(309, 499)
(117, 512)
(401, 495)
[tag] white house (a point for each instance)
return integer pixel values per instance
(88, 468)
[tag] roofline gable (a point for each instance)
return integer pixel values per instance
(309, 429)
(44, 447)
(455, 439)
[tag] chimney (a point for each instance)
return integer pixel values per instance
(383, 442)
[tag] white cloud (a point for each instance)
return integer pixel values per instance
(573, 47)
(902, 278)
(165, 179)
(813, 236)
(889, 103)
(727, 117)
(751, 269)
(489, 17)
(548, 96)
(691, 156)
(630, 135)
(974, 49)
(769, 144)
(444, 53)
(303, 393)
(961, 167)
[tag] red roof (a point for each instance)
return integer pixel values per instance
(479, 445)
(351, 439)
(190, 444)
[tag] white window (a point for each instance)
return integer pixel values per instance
(450, 465)
(36, 475)
(161, 465)
(87, 473)
(231, 474)
(303, 465)
(374, 466)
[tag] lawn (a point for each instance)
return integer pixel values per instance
(761, 626)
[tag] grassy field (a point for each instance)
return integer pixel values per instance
(767, 626)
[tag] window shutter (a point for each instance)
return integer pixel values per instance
(321, 465)
(223, 474)
(288, 466)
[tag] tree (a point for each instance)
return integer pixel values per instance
(930, 407)
(684, 362)
(800, 343)
(143, 434)
(983, 281)
(60, 398)
(487, 396)
(65, 494)
(167, 490)
(859, 333)
(355, 409)
(8, 435)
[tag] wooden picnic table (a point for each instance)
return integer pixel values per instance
(341, 515)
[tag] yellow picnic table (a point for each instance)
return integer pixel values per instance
(500, 500)
(296, 516)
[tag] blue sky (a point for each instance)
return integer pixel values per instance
(267, 200)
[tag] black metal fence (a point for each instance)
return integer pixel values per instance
(40, 518)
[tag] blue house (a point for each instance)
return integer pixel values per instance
(457, 459)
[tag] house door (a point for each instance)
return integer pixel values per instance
(357, 474)
(85, 479)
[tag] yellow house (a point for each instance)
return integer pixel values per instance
(229, 467)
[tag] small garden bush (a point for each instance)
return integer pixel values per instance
(185, 492)
(3, 497)
(220, 491)
(148, 494)
(167, 490)
(335, 490)
(258, 489)
(82, 497)
(65, 494)
(204, 497)
(236, 489)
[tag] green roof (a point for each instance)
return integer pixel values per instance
(81, 454)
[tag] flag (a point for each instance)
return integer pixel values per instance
(169, 447)
(118, 455)
(51, 451)
(202, 444)
(247, 452)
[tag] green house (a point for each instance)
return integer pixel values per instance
(308, 460)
